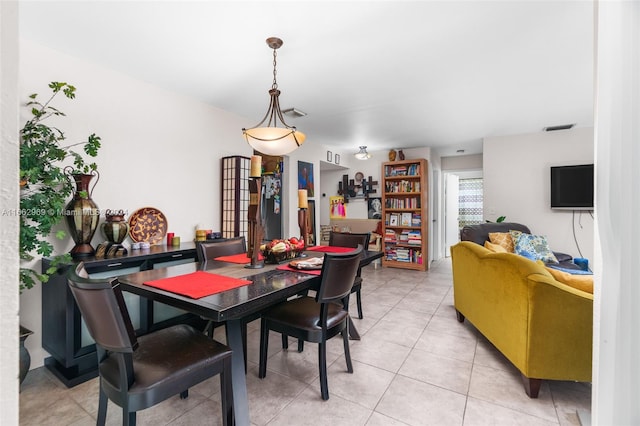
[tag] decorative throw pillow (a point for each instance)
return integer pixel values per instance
(514, 236)
(495, 248)
(502, 238)
(580, 282)
(534, 247)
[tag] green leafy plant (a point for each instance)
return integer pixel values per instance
(498, 220)
(44, 186)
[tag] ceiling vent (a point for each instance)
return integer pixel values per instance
(293, 112)
(560, 127)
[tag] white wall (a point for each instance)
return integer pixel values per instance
(9, 201)
(616, 342)
(517, 181)
(159, 149)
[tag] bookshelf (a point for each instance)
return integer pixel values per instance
(404, 209)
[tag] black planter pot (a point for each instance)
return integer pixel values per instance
(25, 358)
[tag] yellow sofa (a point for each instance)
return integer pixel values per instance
(544, 327)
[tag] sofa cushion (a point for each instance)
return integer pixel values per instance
(495, 248)
(534, 247)
(577, 281)
(502, 239)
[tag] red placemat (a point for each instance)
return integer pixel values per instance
(304, 271)
(197, 284)
(331, 249)
(237, 258)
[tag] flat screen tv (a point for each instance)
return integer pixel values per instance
(572, 187)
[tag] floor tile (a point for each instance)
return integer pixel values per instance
(417, 403)
(415, 365)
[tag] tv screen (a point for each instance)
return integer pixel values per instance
(572, 187)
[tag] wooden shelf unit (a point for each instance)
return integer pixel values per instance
(405, 214)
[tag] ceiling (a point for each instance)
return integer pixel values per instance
(383, 74)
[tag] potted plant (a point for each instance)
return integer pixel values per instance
(44, 185)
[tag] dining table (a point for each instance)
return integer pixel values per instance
(267, 287)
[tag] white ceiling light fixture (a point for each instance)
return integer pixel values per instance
(362, 154)
(266, 137)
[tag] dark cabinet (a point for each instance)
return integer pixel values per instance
(64, 335)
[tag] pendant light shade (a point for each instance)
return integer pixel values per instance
(267, 137)
(362, 154)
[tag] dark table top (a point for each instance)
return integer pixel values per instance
(269, 286)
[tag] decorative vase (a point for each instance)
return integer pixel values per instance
(82, 215)
(115, 228)
(25, 357)
(392, 155)
(401, 155)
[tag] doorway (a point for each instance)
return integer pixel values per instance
(463, 204)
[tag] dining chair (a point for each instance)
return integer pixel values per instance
(138, 372)
(316, 319)
(209, 250)
(347, 239)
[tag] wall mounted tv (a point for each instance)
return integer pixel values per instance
(572, 187)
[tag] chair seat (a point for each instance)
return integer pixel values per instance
(163, 361)
(302, 314)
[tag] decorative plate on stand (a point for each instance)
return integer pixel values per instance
(148, 224)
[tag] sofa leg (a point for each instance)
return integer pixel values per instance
(531, 386)
(459, 316)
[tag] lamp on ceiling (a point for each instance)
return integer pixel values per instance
(362, 154)
(266, 137)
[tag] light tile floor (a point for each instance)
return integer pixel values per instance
(415, 365)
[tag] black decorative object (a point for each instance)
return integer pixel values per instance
(25, 357)
(82, 214)
(348, 188)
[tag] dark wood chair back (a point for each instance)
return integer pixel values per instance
(348, 239)
(139, 372)
(211, 249)
(338, 274)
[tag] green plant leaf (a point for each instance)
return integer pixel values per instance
(45, 187)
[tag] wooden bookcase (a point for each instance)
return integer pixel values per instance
(405, 214)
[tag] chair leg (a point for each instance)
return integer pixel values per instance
(300, 345)
(184, 394)
(103, 401)
(322, 365)
(208, 329)
(226, 394)
(359, 303)
(285, 341)
(264, 346)
(347, 352)
(128, 418)
(243, 330)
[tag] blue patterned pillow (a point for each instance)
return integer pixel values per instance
(534, 247)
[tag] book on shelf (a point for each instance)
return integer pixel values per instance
(390, 236)
(416, 219)
(405, 219)
(393, 220)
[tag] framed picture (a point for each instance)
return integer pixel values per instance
(337, 157)
(312, 223)
(305, 177)
(337, 207)
(374, 208)
(329, 156)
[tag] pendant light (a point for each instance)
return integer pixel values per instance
(266, 137)
(362, 154)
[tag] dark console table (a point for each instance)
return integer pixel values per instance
(73, 354)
